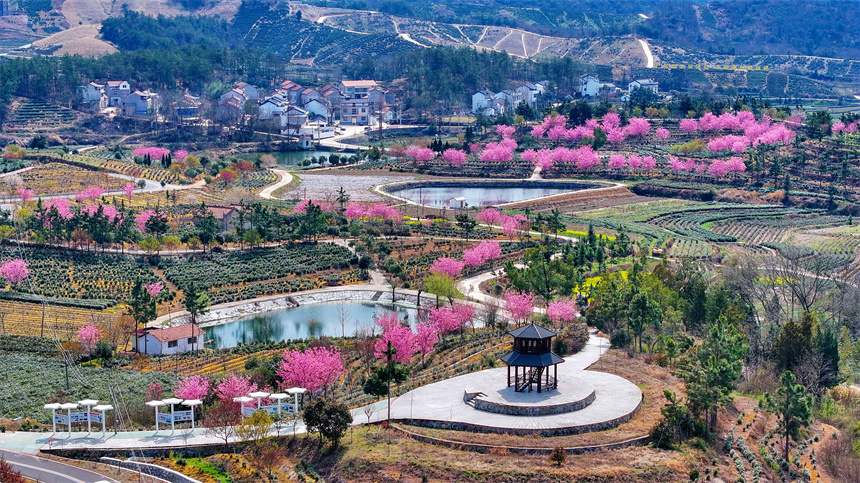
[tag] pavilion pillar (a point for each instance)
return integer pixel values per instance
(540, 379)
(509, 376)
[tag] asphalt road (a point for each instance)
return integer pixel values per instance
(49, 471)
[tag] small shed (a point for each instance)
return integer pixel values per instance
(168, 341)
(532, 352)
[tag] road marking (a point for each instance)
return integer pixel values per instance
(48, 471)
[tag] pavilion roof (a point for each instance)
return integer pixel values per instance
(532, 331)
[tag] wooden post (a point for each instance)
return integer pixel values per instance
(509, 376)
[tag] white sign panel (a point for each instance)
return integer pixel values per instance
(61, 419)
(182, 416)
(164, 418)
(80, 417)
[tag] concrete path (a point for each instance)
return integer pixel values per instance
(286, 178)
(26, 442)
(649, 57)
(442, 402)
(50, 471)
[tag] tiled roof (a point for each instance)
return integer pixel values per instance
(173, 333)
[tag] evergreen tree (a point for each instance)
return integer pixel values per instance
(793, 407)
(711, 371)
(141, 305)
(196, 301)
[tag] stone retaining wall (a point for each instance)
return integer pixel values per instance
(485, 448)
(151, 470)
(475, 428)
(499, 408)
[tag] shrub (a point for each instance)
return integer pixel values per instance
(558, 456)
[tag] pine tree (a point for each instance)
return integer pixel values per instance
(711, 371)
(793, 407)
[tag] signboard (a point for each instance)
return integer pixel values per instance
(164, 418)
(80, 417)
(270, 410)
(182, 416)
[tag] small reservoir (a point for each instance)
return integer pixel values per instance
(331, 319)
(461, 194)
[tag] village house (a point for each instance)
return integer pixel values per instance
(234, 94)
(309, 94)
(230, 111)
(589, 85)
(140, 104)
(649, 84)
(116, 92)
(169, 341)
(355, 111)
(94, 95)
(318, 108)
(357, 88)
(273, 107)
(483, 102)
(187, 108)
(252, 93)
(292, 120)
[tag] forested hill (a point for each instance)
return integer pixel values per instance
(826, 28)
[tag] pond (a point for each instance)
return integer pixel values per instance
(290, 158)
(304, 321)
(481, 193)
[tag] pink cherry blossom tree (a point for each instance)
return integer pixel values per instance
(128, 189)
(562, 311)
(25, 194)
(355, 211)
(193, 387)
(663, 133)
(426, 337)
(14, 271)
(154, 288)
(419, 153)
(234, 386)
(505, 131)
(314, 368)
(689, 125)
(89, 336)
(400, 336)
(637, 127)
(447, 266)
(456, 157)
(482, 252)
(451, 318)
(90, 193)
(490, 216)
(520, 305)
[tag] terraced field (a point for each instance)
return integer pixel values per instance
(29, 114)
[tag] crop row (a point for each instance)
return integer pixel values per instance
(690, 224)
(68, 274)
(222, 269)
(752, 233)
(272, 287)
(683, 248)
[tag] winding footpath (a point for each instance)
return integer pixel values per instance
(285, 179)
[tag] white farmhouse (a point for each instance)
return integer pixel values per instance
(649, 84)
(173, 340)
(589, 86)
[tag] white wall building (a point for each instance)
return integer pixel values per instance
(589, 85)
(172, 340)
